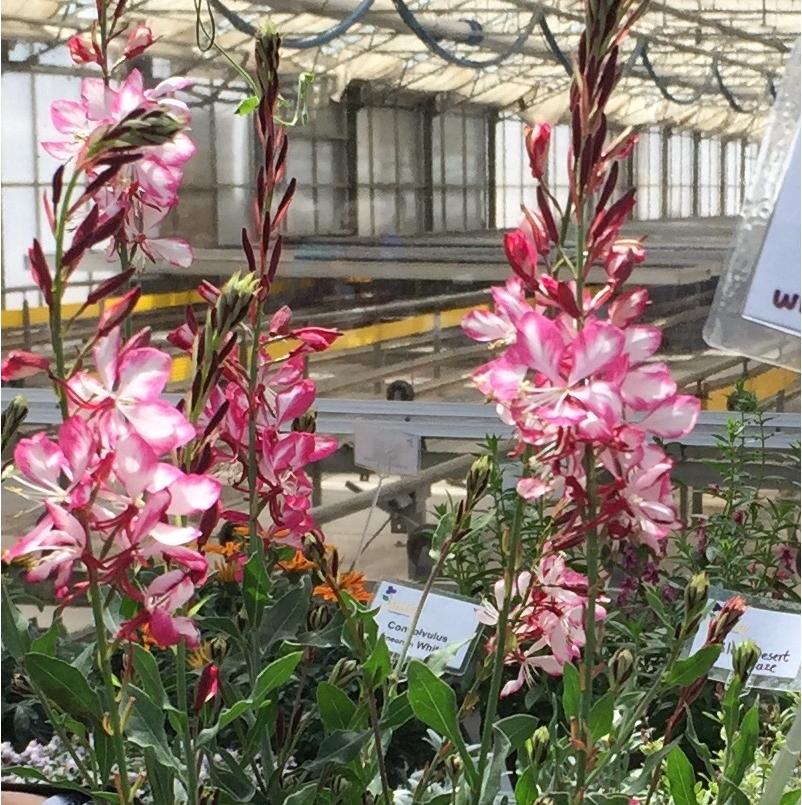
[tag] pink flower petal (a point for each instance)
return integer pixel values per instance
(134, 464)
(193, 493)
(161, 425)
(594, 349)
(540, 345)
(673, 418)
(143, 374)
(68, 117)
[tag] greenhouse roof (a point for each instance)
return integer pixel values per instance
(707, 65)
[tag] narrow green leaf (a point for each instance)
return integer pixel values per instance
(231, 777)
(433, 702)
(336, 709)
(571, 692)
(303, 796)
(145, 728)
(276, 674)
(341, 747)
(791, 797)
(680, 778)
(594, 798)
(47, 641)
(686, 672)
(64, 685)
(518, 728)
(13, 627)
(160, 779)
(742, 749)
(601, 716)
(491, 783)
(399, 712)
(149, 676)
(378, 665)
(255, 589)
(281, 620)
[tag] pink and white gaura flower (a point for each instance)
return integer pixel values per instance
(55, 544)
(125, 395)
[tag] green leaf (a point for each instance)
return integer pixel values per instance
(518, 728)
(255, 589)
(247, 106)
(491, 783)
(341, 747)
(13, 627)
(336, 709)
(64, 685)
(274, 675)
(145, 728)
(435, 704)
(231, 777)
(647, 770)
(680, 778)
(686, 672)
(601, 716)
(571, 692)
(304, 795)
(526, 789)
(149, 676)
(399, 712)
(281, 620)
(742, 750)
(377, 666)
(329, 637)
(160, 779)
(791, 797)
(47, 641)
(607, 799)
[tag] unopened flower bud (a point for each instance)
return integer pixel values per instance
(454, 766)
(234, 299)
(744, 658)
(318, 617)
(621, 666)
(13, 417)
(537, 146)
(339, 785)
(478, 478)
(345, 669)
(540, 745)
(696, 594)
(306, 423)
(723, 622)
(314, 548)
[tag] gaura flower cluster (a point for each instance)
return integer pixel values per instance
(113, 502)
(577, 370)
(545, 627)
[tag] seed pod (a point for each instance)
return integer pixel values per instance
(696, 594)
(478, 478)
(13, 417)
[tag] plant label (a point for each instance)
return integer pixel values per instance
(776, 632)
(774, 294)
(447, 624)
(386, 450)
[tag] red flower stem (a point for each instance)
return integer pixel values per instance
(56, 321)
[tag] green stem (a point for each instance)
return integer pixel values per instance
(501, 641)
(104, 664)
(186, 738)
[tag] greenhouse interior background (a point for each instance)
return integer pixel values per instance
(410, 163)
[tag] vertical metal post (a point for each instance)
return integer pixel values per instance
(397, 157)
(697, 502)
(684, 493)
(317, 485)
(351, 171)
(665, 135)
(378, 362)
(742, 173)
(695, 174)
(26, 325)
(464, 171)
(491, 122)
(427, 122)
(436, 341)
(723, 178)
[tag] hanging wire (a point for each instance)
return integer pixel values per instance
(554, 47)
(305, 42)
(725, 91)
(432, 44)
(643, 50)
(201, 31)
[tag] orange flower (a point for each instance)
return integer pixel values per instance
(227, 549)
(298, 564)
(351, 582)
